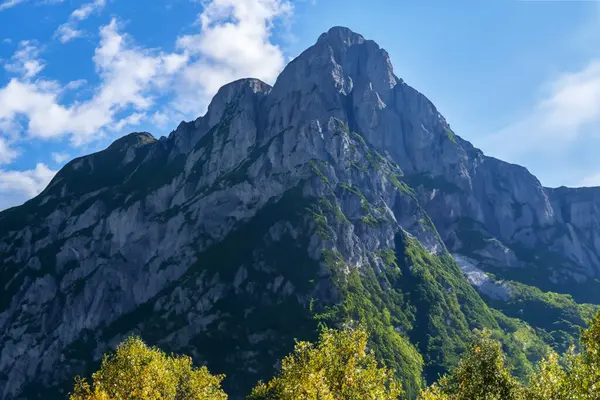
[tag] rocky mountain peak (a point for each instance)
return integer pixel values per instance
(133, 140)
(362, 60)
(340, 36)
(242, 95)
(243, 90)
(342, 76)
(342, 59)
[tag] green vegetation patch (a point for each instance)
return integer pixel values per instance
(384, 313)
(403, 187)
(315, 167)
(451, 136)
(558, 315)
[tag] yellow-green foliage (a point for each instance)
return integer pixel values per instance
(434, 392)
(577, 377)
(480, 375)
(139, 372)
(549, 380)
(338, 367)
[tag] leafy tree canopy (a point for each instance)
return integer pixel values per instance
(337, 367)
(481, 374)
(138, 372)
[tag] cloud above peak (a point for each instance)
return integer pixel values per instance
(234, 41)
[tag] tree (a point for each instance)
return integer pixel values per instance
(583, 372)
(549, 381)
(337, 367)
(577, 377)
(136, 371)
(480, 375)
(434, 392)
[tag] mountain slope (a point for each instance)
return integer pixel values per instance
(332, 197)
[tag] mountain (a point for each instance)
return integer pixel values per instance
(340, 196)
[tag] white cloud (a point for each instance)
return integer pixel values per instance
(131, 120)
(234, 42)
(87, 9)
(569, 111)
(69, 30)
(60, 158)
(574, 102)
(76, 84)
(130, 77)
(19, 186)
(25, 61)
(7, 154)
(160, 119)
(5, 5)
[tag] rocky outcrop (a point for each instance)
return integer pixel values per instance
(482, 281)
(207, 241)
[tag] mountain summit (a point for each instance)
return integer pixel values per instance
(339, 195)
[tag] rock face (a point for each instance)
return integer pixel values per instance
(226, 239)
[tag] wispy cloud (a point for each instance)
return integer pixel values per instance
(25, 61)
(555, 136)
(69, 30)
(160, 119)
(5, 5)
(7, 154)
(569, 111)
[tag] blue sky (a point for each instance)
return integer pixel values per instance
(519, 79)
